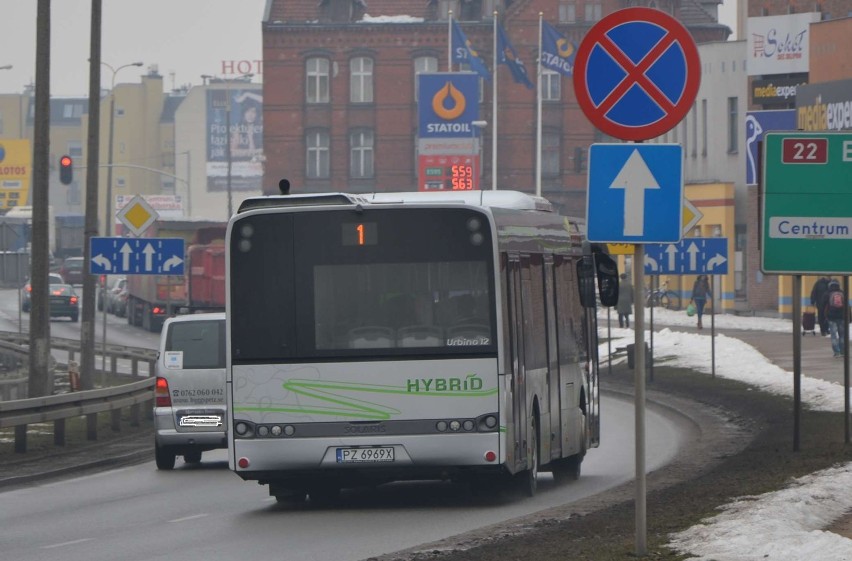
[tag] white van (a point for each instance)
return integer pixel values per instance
(189, 396)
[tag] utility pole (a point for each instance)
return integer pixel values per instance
(40, 382)
(87, 327)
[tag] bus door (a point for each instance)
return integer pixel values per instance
(551, 437)
(516, 347)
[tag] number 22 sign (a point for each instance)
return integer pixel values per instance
(804, 150)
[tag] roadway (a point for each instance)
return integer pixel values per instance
(206, 512)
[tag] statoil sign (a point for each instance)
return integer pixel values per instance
(447, 104)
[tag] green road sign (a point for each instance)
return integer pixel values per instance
(807, 203)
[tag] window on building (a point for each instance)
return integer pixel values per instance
(361, 154)
(594, 9)
(465, 67)
(704, 127)
(317, 76)
(551, 85)
(444, 7)
(75, 149)
(72, 110)
(423, 65)
(72, 195)
(318, 154)
(567, 11)
(550, 150)
(694, 139)
(361, 80)
(733, 126)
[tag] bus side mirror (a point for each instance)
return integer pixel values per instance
(586, 281)
(607, 271)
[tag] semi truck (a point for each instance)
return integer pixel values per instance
(153, 298)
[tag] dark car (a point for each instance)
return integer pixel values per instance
(72, 270)
(64, 301)
(27, 293)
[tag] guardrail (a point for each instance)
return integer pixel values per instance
(20, 413)
(58, 408)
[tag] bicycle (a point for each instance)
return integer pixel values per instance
(662, 297)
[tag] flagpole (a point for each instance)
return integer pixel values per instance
(538, 115)
(450, 42)
(494, 113)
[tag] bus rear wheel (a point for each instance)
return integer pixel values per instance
(528, 479)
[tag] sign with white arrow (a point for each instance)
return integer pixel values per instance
(691, 256)
(137, 256)
(635, 193)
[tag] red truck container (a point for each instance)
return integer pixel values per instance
(153, 298)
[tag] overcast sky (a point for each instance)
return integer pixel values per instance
(184, 38)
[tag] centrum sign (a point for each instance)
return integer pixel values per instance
(807, 227)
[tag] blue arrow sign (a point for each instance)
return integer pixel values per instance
(635, 193)
(137, 256)
(691, 256)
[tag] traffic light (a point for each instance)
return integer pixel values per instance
(66, 169)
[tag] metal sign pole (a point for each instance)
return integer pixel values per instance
(639, 381)
(797, 358)
(713, 326)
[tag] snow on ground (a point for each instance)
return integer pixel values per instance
(785, 525)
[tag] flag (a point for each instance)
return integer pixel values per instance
(463, 51)
(557, 52)
(506, 55)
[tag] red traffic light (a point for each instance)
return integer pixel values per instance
(66, 169)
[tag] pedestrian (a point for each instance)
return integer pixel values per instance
(835, 306)
(624, 306)
(700, 295)
(818, 294)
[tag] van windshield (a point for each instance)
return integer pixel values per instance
(202, 343)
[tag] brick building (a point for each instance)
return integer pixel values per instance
(340, 78)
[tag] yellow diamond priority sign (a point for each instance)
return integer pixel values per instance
(137, 215)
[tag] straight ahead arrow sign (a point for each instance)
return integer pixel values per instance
(635, 178)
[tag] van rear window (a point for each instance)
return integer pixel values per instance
(202, 343)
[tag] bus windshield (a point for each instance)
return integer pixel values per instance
(376, 283)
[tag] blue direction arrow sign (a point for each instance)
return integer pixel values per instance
(692, 256)
(137, 256)
(635, 193)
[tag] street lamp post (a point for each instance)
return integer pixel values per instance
(109, 220)
(473, 148)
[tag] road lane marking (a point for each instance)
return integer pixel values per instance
(193, 517)
(63, 544)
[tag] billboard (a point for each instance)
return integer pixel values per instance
(826, 106)
(756, 124)
(447, 104)
(15, 172)
(241, 111)
(779, 44)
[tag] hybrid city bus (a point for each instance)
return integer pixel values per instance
(400, 336)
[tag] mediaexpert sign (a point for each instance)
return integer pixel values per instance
(636, 73)
(807, 226)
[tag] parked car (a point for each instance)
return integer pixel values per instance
(120, 304)
(27, 292)
(64, 301)
(72, 270)
(189, 395)
(113, 291)
(105, 284)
